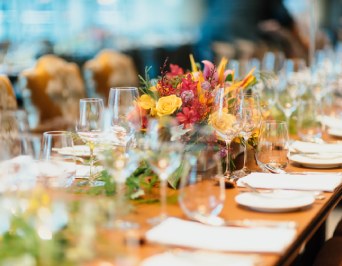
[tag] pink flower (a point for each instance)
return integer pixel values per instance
(187, 96)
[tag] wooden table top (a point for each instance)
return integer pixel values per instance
(308, 220)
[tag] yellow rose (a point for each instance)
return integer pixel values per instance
(146, 102)
(168, 105)
(221, 122)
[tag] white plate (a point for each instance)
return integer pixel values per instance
(277, 201)
(336, 132)
(320, 161)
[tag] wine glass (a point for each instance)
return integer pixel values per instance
(125, 114)
(249, 104)
(273, 146)
(164, 154)
(18, 169)
(291, 86)
(227, 120)
(120, 165)
(202, 187)
(57, 169)
(90, 127)
(309, 127)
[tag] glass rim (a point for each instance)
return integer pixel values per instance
(91, 100)
(56, 133)
(273, 122)
(124, 88)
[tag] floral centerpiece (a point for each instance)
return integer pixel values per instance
(189, 96)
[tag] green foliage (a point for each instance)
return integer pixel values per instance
(146, 83)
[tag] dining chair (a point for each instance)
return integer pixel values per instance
(7, 96)
(53, 86)
(108, 69)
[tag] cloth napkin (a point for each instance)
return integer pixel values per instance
(309, 147)
(325, 182)
(199, 258)
(174, 231)
(332, 122)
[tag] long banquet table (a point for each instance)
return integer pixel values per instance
(309, 220)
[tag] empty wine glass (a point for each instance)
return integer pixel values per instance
(90, 127)
(164, 155)
(57, 169)
(273, 146)
(291, 86)
(18, 170)
(125, 114)
(202, 187)
(309, 127)
(249, 104)
(120, 165)
(227, 120)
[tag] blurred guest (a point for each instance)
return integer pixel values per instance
(246, 25)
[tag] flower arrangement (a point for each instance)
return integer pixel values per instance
(189, 96)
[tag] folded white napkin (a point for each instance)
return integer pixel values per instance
(325, 182)
(332, 122)
(174, 231)
(199, 258)
(18, 173)
(309, 147)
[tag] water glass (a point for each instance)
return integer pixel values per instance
(18, 170)
(202, 185)
(309, 127)
(125, 115)
(57, 169)
(273, 147)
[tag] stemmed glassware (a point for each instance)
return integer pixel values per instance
(125, 114)
(90, 127)
(57, 169)
(273, 146)
(227, 120)
(120, 165)
(202, 187)
(163, 153)
(249, 104)
(291, 86)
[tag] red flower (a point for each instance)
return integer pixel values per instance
(188, 116)
(189, 84)
(175, 71)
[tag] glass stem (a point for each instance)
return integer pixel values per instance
(91, 161)
(227, 173)
(287, 117)
(120, 198)
(245, 139)
(163, 186)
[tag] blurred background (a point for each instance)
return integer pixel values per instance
(148, 30)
